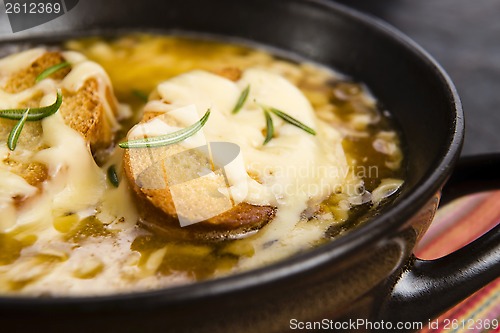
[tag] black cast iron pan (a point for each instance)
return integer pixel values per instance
(370, 273)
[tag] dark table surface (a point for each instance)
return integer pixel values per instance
(464, 37)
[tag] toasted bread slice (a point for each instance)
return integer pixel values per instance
(83, 110)
(157, 175)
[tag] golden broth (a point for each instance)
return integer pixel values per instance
(136, 64)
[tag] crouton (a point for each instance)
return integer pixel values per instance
(83, 110)
(153, 172)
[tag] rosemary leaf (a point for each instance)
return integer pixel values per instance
(51, 70)
(141, 95)
(269, 127)
(34, 113)
(241, 100)
(16, 131)
(113, 176)
(289, 119)
(168, 139)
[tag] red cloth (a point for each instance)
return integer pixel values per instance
(456, 225)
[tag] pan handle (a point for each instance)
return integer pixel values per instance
(427, 288)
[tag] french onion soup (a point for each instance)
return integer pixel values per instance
(150, 161)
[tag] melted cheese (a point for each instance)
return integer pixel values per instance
(81, 71)
(18, 61)
(292, 163)
(77, 182)
(75, 185)
(292, 172)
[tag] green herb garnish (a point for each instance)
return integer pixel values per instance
(23, 115)
(51, 70)
(168, 139)
(291, 120)
(113, 176)
(141, 95)
(269, 127)
(16, 131)
(241, 100)
(34, 114)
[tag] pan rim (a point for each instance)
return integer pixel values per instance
(343, 248)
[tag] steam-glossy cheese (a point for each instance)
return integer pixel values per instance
(294, 171)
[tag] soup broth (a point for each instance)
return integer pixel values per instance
(108, 247)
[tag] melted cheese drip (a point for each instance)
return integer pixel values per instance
(292, 172)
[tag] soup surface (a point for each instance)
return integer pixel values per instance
(83, 216)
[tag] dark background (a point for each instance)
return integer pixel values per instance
(464, 37)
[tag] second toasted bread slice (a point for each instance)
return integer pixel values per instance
(88, 109)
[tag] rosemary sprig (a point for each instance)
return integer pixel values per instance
(168, 139)
(113, 176)
(28, 114)
(141, 95)
(16, 131)
(291, 120)
(269, 127)
(51, 70)
(241, 100)
(34, 114)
